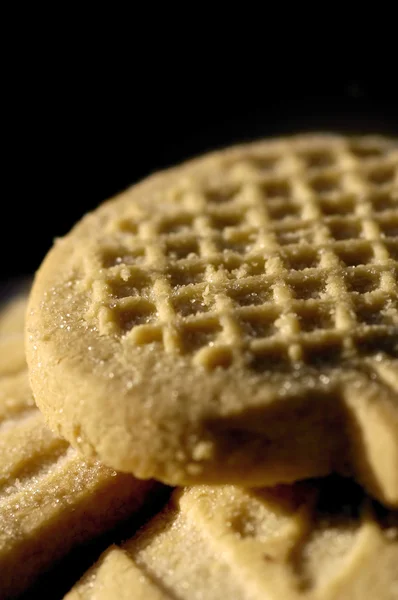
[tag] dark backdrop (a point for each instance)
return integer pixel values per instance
(77, 134)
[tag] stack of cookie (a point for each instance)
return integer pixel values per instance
(229, 328)
(51, 498)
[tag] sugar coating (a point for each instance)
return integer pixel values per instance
(234, 319)
(270, 263)
(320, 540)
(50, 498)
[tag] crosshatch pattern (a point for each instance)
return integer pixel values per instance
(290, 258)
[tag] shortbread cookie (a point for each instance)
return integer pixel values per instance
(306, 541)
(12, 323)
(231, 320)
(12, 354)
(50, 498)
(13, 307)
(12, 316)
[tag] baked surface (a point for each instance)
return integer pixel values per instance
(316, 540)
(231, 320)
(51, 499)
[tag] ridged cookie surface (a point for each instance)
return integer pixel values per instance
(232, 320)
(313, 541)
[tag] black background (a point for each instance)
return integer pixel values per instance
(77, 133)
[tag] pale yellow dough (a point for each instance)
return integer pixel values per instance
(310, 541)
(51, 499)
(232, 320)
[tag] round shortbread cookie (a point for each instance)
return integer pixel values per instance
(309, 541)
(234, 319)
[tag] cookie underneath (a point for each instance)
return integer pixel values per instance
(51, 499)
(318, 540)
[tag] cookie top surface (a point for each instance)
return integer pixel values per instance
(318, 541)
(211, 299)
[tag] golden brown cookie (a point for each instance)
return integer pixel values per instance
(309, 541)
(51, 499)
(232, 320)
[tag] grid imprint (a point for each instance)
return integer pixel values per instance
(291, 260)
